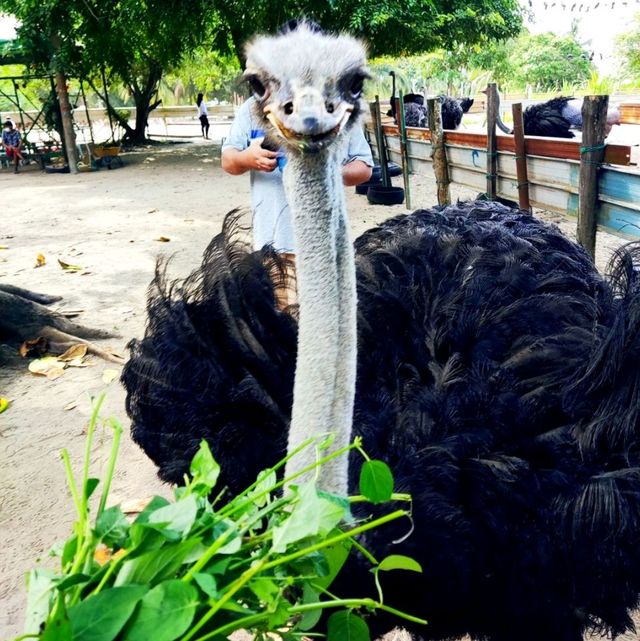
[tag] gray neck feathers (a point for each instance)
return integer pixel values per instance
(325, 377)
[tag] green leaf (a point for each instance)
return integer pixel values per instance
(102, 616)
(309, 619)
(164, 614)
(311, 515)
(266, 590)
(207, 583)
(204, 469)
(347, 626)
(90, 487)
(175, 520)
(399, 562)
(112, 527)
(59, 627)
(336, 556)
(40, 582)
(279, 615)
(266, 481)
(376, 481)
(70, 581)
(233, 542)
(156, 565)
(152, 507)
(143, 538)
(69, 550)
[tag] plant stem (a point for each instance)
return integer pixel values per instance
(87, 450)
(71, 482)
(336, 539)
(355, 603)
(115, 446)
(241, 581)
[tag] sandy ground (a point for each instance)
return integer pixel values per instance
(108, 222)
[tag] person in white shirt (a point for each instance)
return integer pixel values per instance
(203, 115)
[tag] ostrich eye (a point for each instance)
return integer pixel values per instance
(352, 85)
(257, 87)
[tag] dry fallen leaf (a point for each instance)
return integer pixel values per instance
(109, 375)
(35, 347)
(152, 211)
(79, 350)
(135, 506)
(41, 365)
(54, 372)
(70, 406)
(4, 404)
(78, 362)
(4, 246)
(40, 260)
(163, 239)
(69, 268)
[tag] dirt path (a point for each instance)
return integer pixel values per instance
(107, 222)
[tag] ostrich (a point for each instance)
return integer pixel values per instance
(557, 117)
(453, 109)
(486, 361)
(415, 113)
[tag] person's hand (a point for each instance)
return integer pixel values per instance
(258, 158)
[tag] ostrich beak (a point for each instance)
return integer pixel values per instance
(305, 121)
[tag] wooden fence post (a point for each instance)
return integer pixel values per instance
(521, 158)
(438, 151)
(594, 117)
(404, 152)
(492, 148)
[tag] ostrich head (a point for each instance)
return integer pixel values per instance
(307, 86)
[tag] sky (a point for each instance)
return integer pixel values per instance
(599, 21)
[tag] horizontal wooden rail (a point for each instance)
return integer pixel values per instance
(535, 146)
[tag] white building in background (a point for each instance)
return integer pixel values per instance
(599, 22)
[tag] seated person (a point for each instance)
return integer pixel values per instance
(12, 141)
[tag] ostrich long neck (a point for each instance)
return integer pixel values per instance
(325, 377)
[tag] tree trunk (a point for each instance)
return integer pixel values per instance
(67, 122)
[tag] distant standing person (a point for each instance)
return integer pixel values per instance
(12, 141)
(203, 116)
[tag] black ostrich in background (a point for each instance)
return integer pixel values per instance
(415, 113)
(557, 118)
(497, 373)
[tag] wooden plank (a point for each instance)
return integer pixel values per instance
(534, 145)
(630, 113)
(438, 151)
(594, 121)
(520, 157)
(492, 143)
(403, 150)
(620, 186)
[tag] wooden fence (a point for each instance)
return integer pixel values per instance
(553, 172)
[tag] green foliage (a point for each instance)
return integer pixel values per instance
(601, 85)
(546, 61)
(628, 47)
(186, 569)
(389, 27)
(201, 70)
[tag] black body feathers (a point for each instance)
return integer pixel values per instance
(547, 119)
(498, 376)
